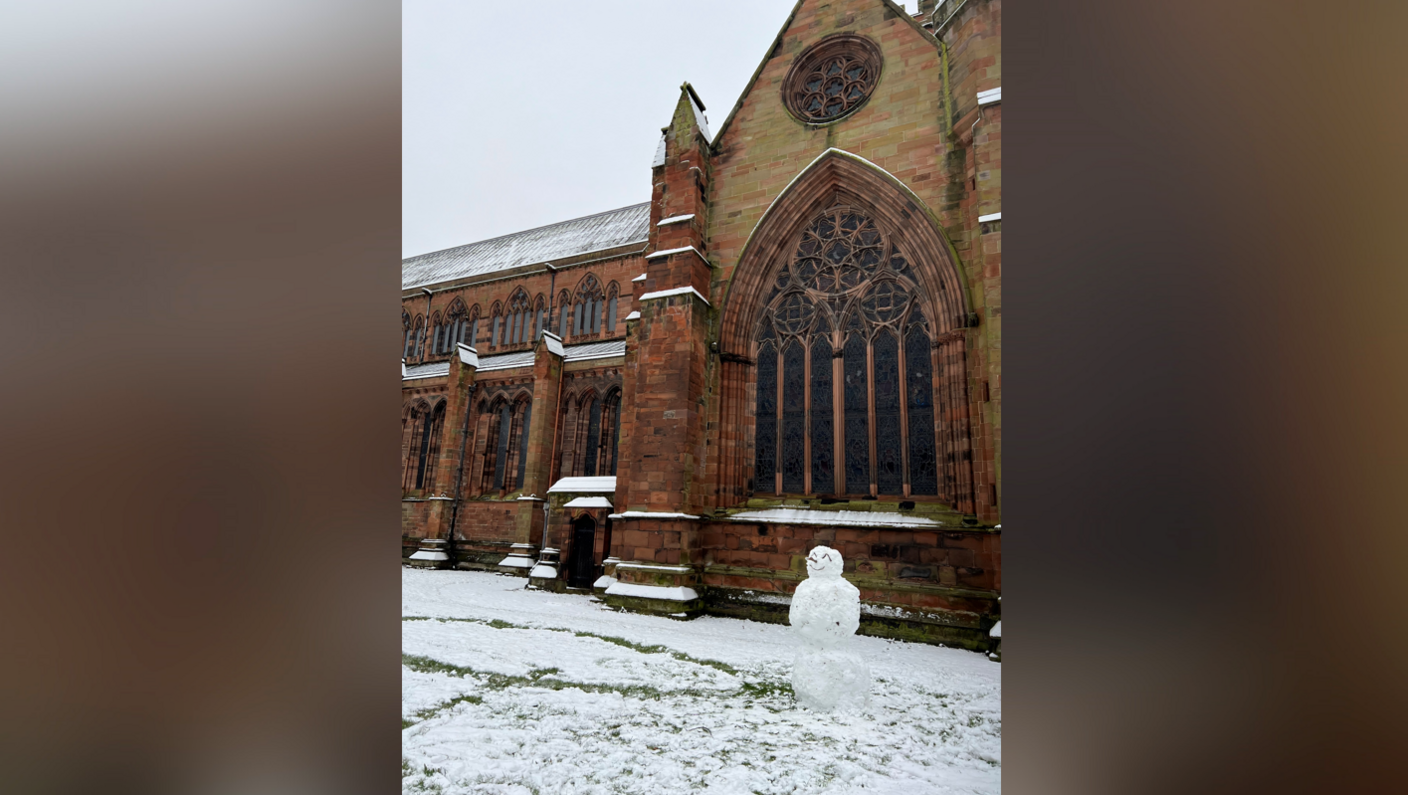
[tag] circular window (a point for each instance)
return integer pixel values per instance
(832, 78)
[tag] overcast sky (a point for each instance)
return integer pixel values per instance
(520, 114)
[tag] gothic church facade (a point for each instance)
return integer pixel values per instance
(795, 341)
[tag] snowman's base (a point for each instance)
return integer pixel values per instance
(829, 679)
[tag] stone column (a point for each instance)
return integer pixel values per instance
(659, 487)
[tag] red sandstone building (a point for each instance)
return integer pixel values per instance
(795, 341)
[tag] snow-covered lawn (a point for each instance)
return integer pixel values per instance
(506, 690)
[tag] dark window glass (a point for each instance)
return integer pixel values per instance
(767, 419)
(593, 437)
(523, 444)
(424, 450)
(794, 418)
(611, 314)
(474, 333)
(501, 456)
(823, 471)
(889, 465)
(495, 339)
(406, 347)
(562, 321)
(538, 324)
(923, 466)
(857, 417)
(616, 431)
(577, 318)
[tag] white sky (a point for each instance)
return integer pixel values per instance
(516, 114)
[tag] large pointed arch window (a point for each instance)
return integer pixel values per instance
(845, 369)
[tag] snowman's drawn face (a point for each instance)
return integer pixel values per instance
(824, 562)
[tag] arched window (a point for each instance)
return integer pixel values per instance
(474, 327)
(505, 419)
(423, 449)
(564, 312)
(456, 325)
(589, 433)
(524, 415)
(612, 293)
(539, 310)
(498, 320)
(879, 437)
(405, 334)
(437, 330)
(610, 432)
(519, 316)
(415, 339)
(588, 305)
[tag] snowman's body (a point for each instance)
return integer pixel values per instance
(824, 615)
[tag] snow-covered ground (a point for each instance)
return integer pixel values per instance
(510, 691)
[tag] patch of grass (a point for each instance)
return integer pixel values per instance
(498, 623)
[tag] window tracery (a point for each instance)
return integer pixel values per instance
(832, 79)
(587, 307)
(423, 448)
(879, 417)
(519, 318)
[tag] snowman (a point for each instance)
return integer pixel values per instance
(824, 615)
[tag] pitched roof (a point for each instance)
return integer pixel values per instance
(555, 241)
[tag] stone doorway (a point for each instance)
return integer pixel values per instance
(581, 573)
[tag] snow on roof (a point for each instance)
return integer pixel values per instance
(596, 350)
(834, 518)
(659, 153)
(506, 361)
(605, 484)
(589, 502)
(555, 241)
(572, 353)
(675, 291)
(699, 116)
(433, 370)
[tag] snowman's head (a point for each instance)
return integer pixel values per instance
(824, 562)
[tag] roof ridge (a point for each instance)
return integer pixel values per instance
(526, 231)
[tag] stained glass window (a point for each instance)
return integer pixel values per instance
(857, 395)
(833, 78)
(794, 418)
(523, 444)
(919, 391)
(884, 420)
(823, 472)
(889, 465)
(766, 439)
(501, 456)
(593, 437)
